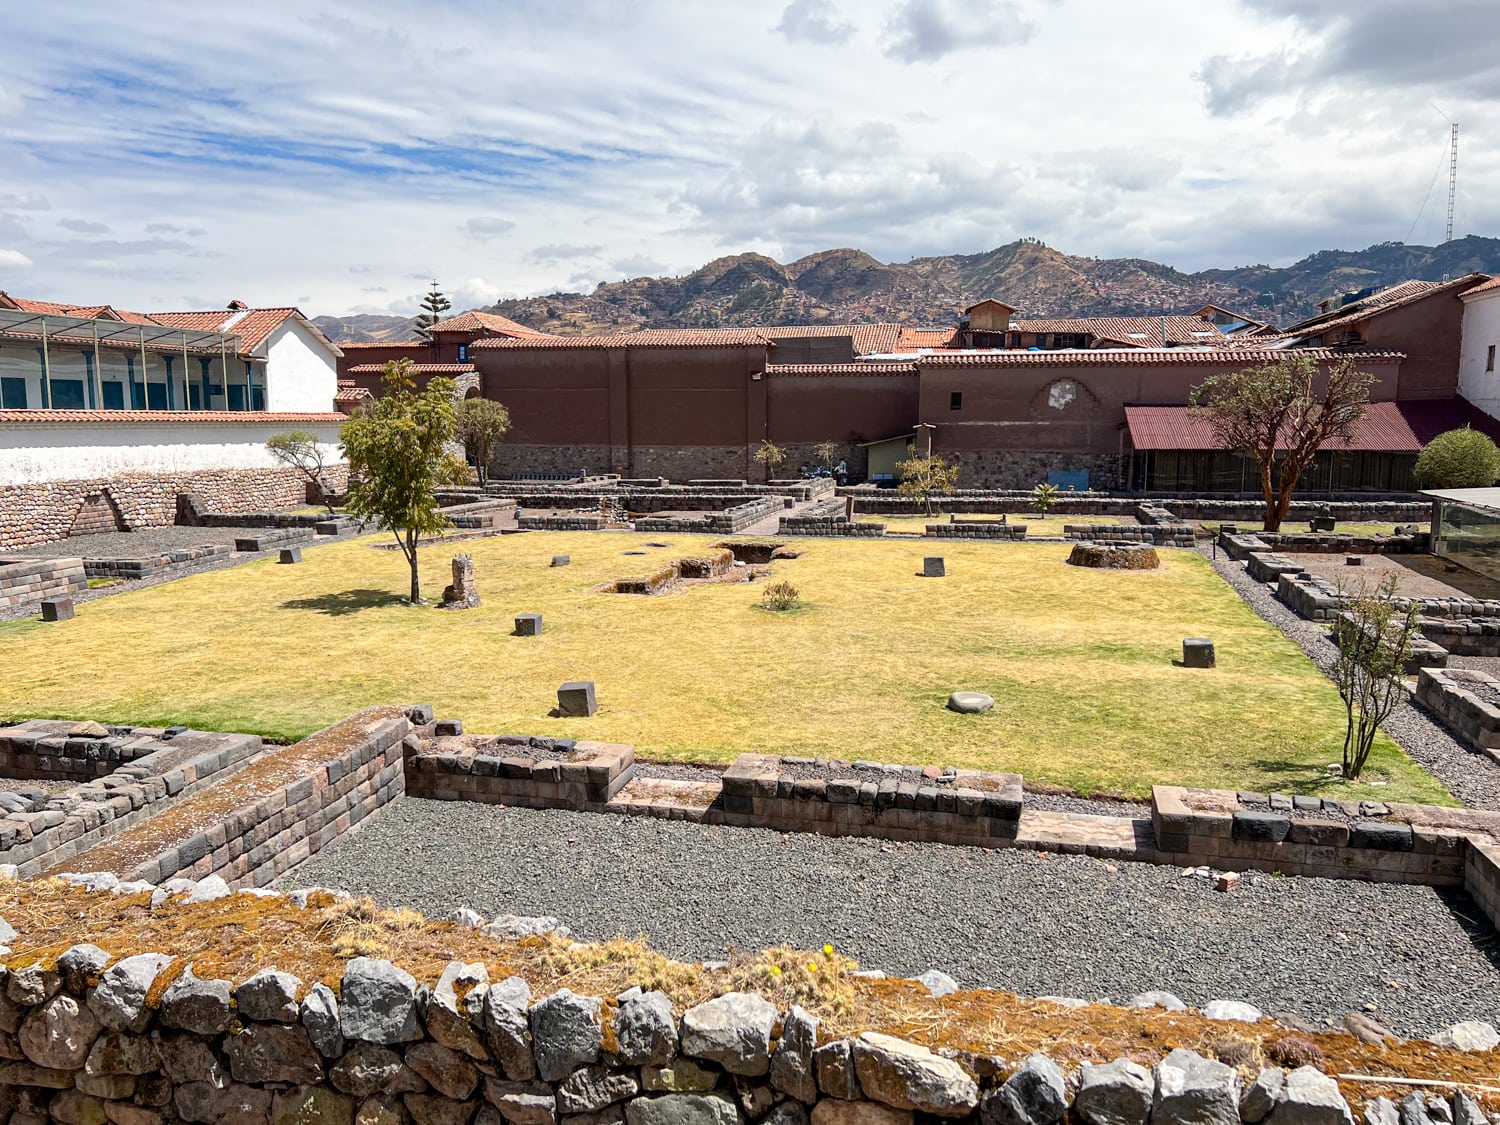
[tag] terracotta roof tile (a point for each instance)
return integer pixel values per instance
(1392, 297)
(419, 368)
(186, 417)
(872, 368)
(1131, 331)
(349, 345)
(913, 338)
(1387, 427)
(1115, 357)
(645, 338)
(252, 326)
(1483, 287)
(868, 339)
(352, 394)
(477, 321)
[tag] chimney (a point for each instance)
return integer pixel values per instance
(237, 306)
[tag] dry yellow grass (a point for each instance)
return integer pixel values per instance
(1080, 662)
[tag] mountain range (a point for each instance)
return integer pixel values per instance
(849, 286)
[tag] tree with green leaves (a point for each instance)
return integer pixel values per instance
(1044, 497)
(397, 447)
(926, 477)
(481, 423)
(771, 456)
(1279, 414)
(1462, 458)
(825, 452)
(1374, 638)
(300, 450)
(433, 306)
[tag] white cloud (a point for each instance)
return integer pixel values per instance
(814, 21)
(14, 259)
(82, 226)
(619, 139)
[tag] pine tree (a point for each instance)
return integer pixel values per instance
(433, 306)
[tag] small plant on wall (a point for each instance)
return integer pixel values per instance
(1044, 498)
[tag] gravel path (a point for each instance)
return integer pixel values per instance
(1054, 802)
(1473, 779)
(140, 544)
(1054, 925)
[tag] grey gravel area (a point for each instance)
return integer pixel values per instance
(131, 547)
(1053, 802)
(1053, 925)
(678, 771)
(1470, 777)
(140, 544)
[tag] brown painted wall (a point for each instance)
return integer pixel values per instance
(807, 409)
(1429, 333)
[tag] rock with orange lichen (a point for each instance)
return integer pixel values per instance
(119, 1001)
(907, 1076)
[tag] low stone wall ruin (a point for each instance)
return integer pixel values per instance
(149, 566)
(535, 773)
(130, 774)
(1158, 535)
(28, 581)
(1467, 702)
(977, 529)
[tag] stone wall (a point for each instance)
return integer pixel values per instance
(977, 529)
(1160, 535)
(982, 501)
(42, 513)
(510, 461)
(1472, 636)
(535, 773)
(26, 581)
(729, 521)
(1025, 469)
(560, 523)
(139, 773)
(1317, 599)
(961, 807)
(144, 1040)
(147, 566)
(1386, 844)
(1466, 703)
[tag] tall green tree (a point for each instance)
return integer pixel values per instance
(399, 456)
(433, 306)
(1279, 414)
(481, 423)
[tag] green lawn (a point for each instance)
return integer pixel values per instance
(1079, 661)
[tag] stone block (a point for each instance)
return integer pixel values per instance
(57, 609)
(933, 567)
(528, 624)
(1197, 652)
(290, 555)
(575, 699)
(561, 560)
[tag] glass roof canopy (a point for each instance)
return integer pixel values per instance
(74, 330)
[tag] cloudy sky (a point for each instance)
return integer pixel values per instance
(339, 154)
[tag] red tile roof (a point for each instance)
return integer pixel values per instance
(1131, 331)
(352, 394)
(645, 338)
(913, 338)
(1484, 287)
(872, 368)
(1115, 357)
(1392, 297)
(419, 368)
(186, 417)
(477, 321)
(868, 338)
(1387, 427)
(252, 326)
(350, 344)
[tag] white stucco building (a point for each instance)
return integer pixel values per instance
(1478, 366)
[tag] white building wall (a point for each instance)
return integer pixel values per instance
(1481, 331)
(35, 453)
(301, 373)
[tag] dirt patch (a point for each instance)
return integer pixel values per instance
(1417, 576)
(758, 551)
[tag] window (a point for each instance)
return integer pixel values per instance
(236, 397)
(13, 394)
(463, 353)
(114, 396)
(956, 400)
(1489, 360)
(67, 394)
(156, 396)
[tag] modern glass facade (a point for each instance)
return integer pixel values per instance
(1165, 470)
(1469, 535)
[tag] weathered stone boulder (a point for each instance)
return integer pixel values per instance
(81, 965)
(454, 1009)
(733, 1030)
(1310, 1097)
(937, 982)
(683, 1109)
(970, 702)
(199, 1006)
(319, 1014)
(645, 1030)
(271, 1052)
(907, 1076)
(310, 1105)
(449, 1072)
(118, 1052)
(33, 984)
(1156, 999)
(680, 1076)
(59, 1034)
(792, 1064)
(833, 1064)
(1034, 1095)
(1115, 1093)
(366, 1069)
(1236, 1011)
(1262, 1095)
(119, 999)
(565, 1034)
(507, 1027)
(188, 1058)
(591, 1088)
(522, 1103)
(1470, 1035)
(269, 996)
(378, 1002)
(1193, 1090)
(834, 1111)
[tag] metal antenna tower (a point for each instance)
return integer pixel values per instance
(1452, 178)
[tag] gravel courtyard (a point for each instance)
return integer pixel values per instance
(1038, 925)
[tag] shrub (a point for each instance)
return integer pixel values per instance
(1462, 458)
(779, 595)
(1292, 1051)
